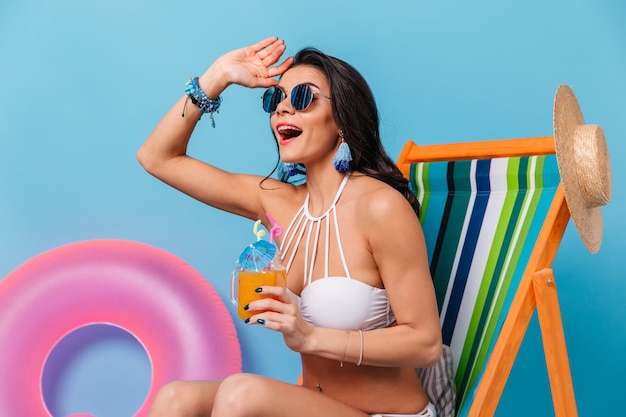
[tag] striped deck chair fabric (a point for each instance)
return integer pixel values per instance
(481, 219)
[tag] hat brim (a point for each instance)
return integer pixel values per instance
(567, 117)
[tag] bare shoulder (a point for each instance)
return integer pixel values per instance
(378, 201)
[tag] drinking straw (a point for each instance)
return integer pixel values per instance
(258, 233)
(276, 230)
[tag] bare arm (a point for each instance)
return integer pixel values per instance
(164, 153)
(399, 249)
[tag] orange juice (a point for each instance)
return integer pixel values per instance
(250, 281)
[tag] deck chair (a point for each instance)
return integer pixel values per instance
(493, 215)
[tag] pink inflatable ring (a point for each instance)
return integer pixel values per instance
(166, 305)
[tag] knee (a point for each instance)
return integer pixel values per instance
(171, 400)
(238, 391)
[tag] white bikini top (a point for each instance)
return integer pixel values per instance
(332, 302)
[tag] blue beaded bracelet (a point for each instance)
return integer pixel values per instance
(197, 96)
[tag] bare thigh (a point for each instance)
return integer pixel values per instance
(245, 395)
(184, 398)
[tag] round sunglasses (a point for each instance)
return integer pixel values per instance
(301, 97)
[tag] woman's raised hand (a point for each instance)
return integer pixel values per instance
(252, 66)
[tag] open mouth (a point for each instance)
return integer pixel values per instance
(288, 132)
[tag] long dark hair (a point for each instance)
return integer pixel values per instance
(355, 112)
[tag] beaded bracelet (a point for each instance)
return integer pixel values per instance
(197, 96)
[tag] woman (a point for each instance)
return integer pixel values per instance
(359, 305)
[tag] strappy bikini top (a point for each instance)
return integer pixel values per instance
(332, 302)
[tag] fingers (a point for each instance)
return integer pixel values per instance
(293, 328)
(280, 69)
(269, 320)
(269, 52)
(280, 305)
(274, 299)
(272, 53)
(277, 292)
(253, 66)
(259, 46)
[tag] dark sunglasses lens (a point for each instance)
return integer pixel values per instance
(301, 96)
(271, 98)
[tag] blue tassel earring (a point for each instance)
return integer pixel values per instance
(343, 155)
(289, 169)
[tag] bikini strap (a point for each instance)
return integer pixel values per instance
(332, 205)
(303, 222)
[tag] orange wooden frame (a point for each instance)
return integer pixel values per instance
(537, 288)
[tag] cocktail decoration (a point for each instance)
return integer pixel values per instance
(260, 264)
(257, 255)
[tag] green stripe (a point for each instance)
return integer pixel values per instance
(513, 242)
(420, 187)
(512, 274)
(524, 228)
(490, 268)
(518, 249)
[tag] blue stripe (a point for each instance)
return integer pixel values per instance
(497, 275)
(459, 187)
(483, 188)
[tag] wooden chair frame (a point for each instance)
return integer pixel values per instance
(537, 288)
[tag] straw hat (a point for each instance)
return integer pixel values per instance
(583, 160)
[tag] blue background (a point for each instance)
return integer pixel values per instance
(82, 83)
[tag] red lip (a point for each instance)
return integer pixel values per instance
(285, 132)
(283, 142)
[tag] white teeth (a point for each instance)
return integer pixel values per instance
(288, 128)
